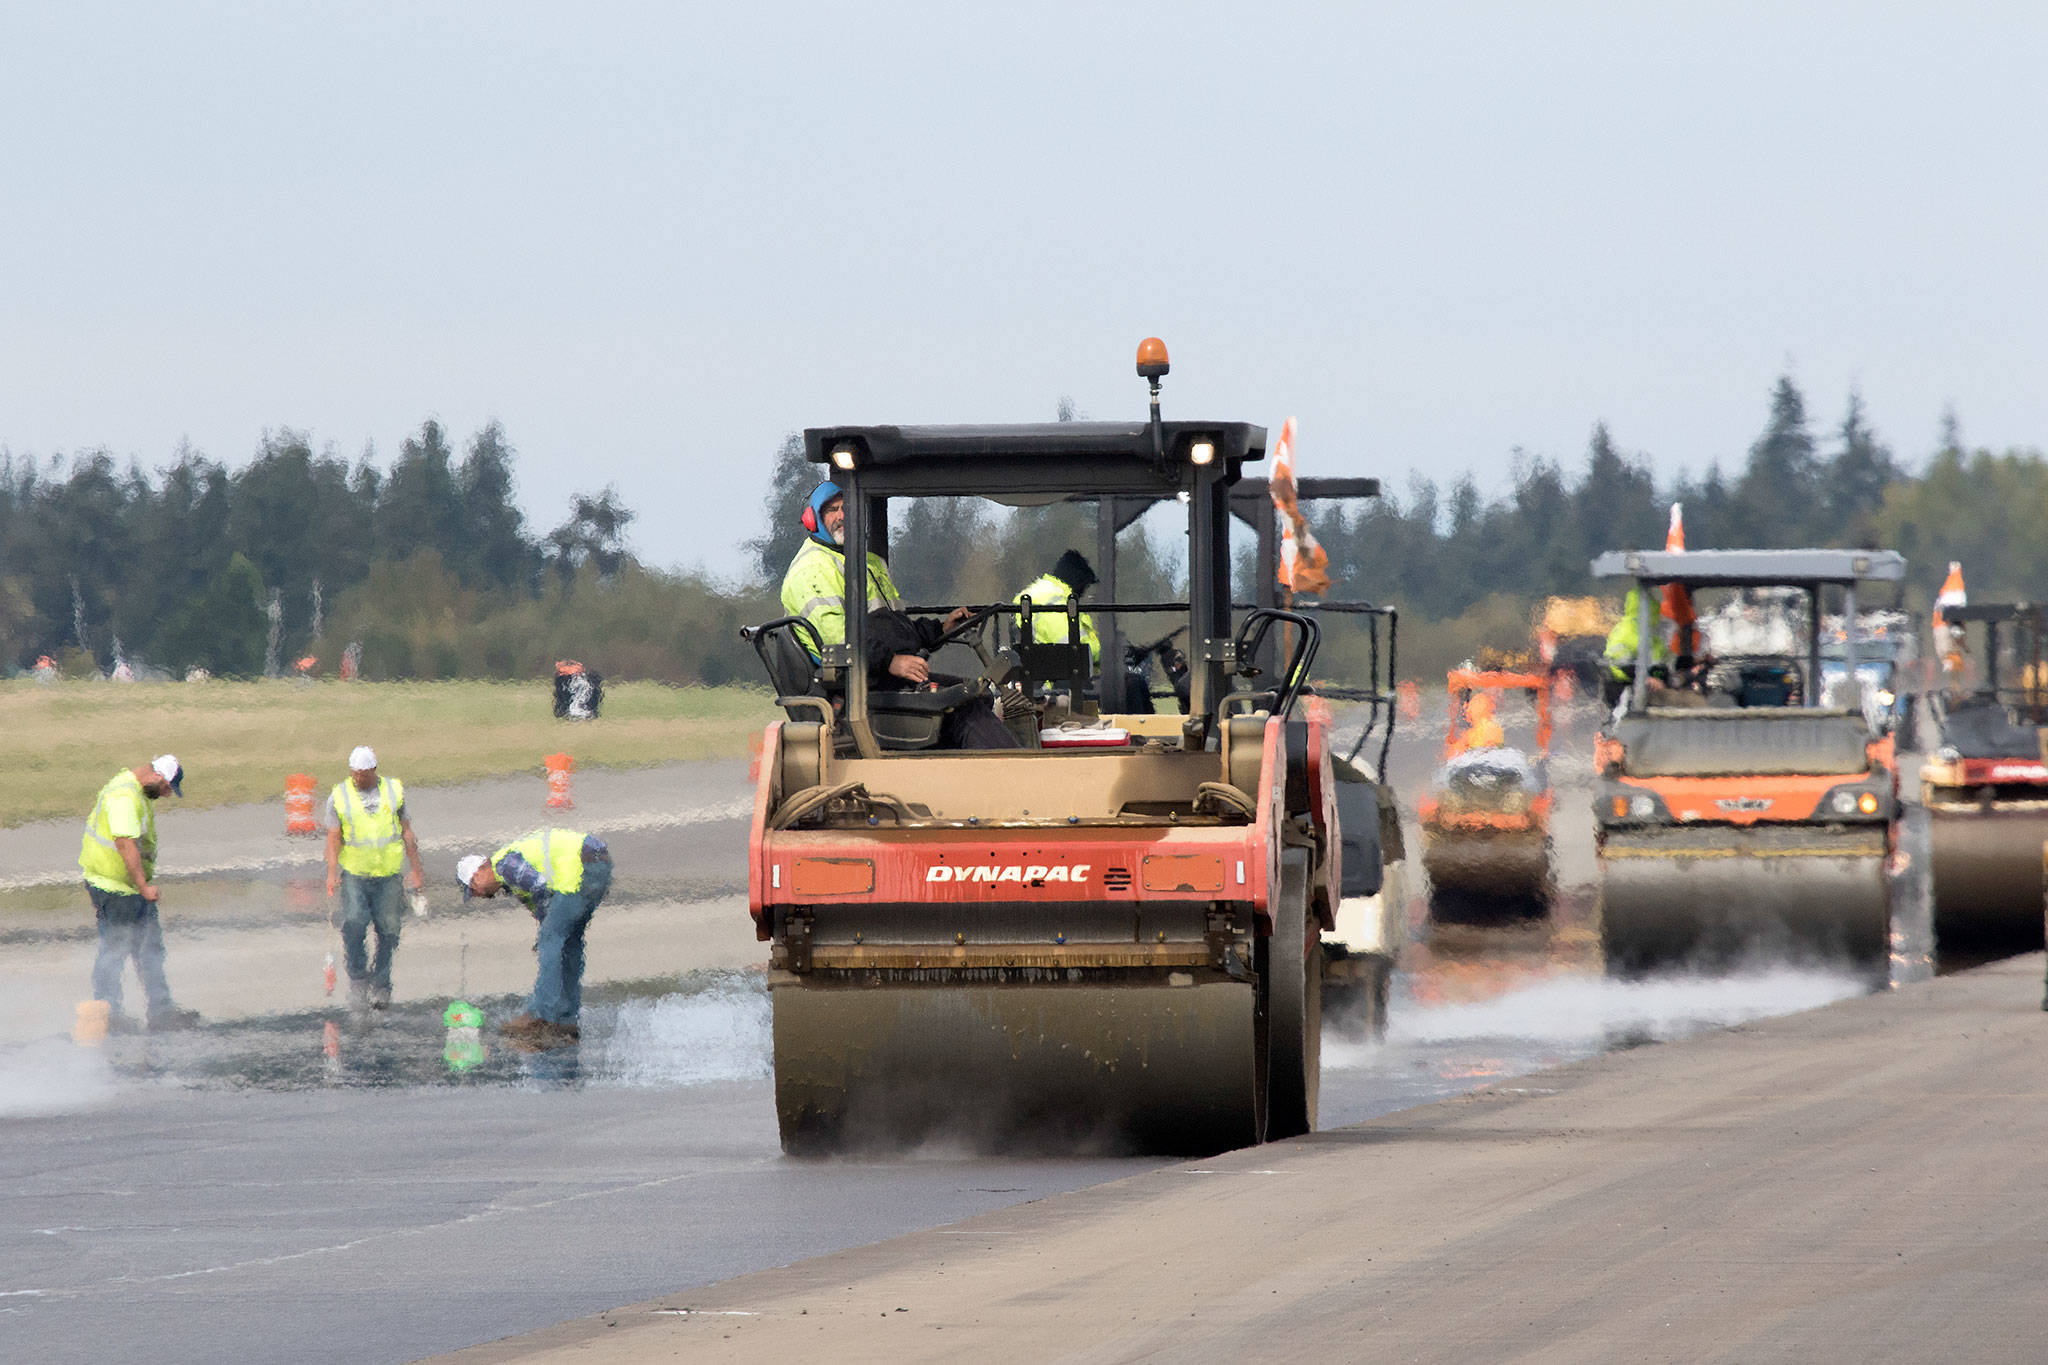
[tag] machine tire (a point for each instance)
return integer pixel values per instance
(1294, 1006)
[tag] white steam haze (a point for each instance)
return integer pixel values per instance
(652, 238)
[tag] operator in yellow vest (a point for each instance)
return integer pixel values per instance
(369, 840)
(1071, 577)
(1619, 654)
(562, 876)
(118, 858)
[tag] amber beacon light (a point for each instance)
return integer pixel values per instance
(1152, 358)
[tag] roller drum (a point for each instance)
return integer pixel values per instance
(1715, 897)
(1480, 875)
(1133, 1063)
(1987, 876)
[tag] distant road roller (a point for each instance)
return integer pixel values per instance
(1106, 937)
(1735, 816)
(1486, 819)
(1985, 785)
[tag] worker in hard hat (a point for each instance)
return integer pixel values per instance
(1619, 654)
(118, 858)
(561, 876)
(814, 587)
(1482, 730)
(369, 843)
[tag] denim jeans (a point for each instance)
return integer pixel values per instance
(558, 989)
(366, 901)
(128, 928)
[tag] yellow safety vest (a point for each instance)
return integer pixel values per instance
(556, 853)
(98, 857)
(815, 589)
(1049, 616)
(372, 843)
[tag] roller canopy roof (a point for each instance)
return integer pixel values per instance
(1752, 568)
(1046, 457)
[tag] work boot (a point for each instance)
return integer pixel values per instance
(358, 995)
(523, 1025)
(380, 997)
(128, 1023)
(171, 1019)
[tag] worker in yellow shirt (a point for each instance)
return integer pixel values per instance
(118, 858)
(369, 839)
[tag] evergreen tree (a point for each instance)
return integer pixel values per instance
(1777, 498)
(1857, 475)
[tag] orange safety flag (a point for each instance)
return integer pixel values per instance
(1951, 594)
(1304, 564)
(1677, 597)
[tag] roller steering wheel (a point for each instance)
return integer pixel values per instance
(976, 625)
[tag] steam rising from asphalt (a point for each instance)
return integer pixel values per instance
(716, 1031)
(52, 1076)
(1588, 1013)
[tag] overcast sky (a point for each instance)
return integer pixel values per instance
(651, 239)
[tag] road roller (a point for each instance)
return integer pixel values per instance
(1486, 819)
(1107, 937)
(1985, 785)
(1737, 818)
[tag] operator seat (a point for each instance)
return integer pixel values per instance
(900, 720)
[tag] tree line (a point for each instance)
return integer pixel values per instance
(433, 570)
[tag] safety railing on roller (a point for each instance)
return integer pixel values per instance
(1376, 691)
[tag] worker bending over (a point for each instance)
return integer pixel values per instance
(369, 843)
(118, 858)
(562, 877)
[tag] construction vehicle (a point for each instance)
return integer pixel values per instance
(1887, 655)
(1570, 633)
(1985, 785)
(1738, 816)
(1111, 935)
(1486, 820)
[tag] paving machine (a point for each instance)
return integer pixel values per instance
(1109, 935)
(1486, 820)
(1985, 786)
(1738, 815)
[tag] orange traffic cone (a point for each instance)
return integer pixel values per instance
(1952, 593)
(298, 805)
(559, 768)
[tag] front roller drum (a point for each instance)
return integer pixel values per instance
(1987, 876)
(1482, 876)
(1140, 1062)
(1718, 897)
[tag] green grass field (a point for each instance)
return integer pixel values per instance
(239, 741)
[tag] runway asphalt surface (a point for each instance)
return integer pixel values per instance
(244, 1191)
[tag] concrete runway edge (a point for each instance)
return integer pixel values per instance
(1865, 1181)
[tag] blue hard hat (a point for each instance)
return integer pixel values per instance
(814, 512)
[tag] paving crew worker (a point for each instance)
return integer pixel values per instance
(118, 858)
(1070, 578)
(814, 587)
(369, 841)
(1619, 654)
(1482, 731)
(562, 876)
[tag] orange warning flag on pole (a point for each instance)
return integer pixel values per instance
(1677, 597)
(1304, 564)
(1951, 594)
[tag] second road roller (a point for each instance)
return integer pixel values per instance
(1737, 818)
(1985, 785)
(1107, 935)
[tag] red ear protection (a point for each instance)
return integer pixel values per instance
(811, 520)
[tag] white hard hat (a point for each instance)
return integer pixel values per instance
(166, 767)
(465, 869)
(362, 758)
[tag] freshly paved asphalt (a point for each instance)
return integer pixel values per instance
(1860, 1182)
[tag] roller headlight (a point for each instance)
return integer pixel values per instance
(1642, 807)
(1844, 803)
(842, 456)
(1948, 753)
(1201, 450)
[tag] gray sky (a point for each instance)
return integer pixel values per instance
(651, 239)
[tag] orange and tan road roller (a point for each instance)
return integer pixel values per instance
(1106, 934)
(1736, 817)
